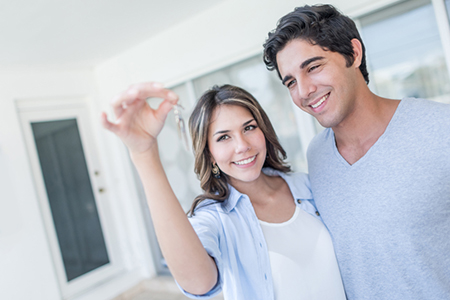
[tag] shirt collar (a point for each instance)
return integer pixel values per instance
(300, 189)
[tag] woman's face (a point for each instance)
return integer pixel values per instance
(236, 143)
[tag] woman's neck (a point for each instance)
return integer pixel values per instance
(263, 188)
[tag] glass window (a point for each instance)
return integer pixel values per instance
(404, 52)
(177, 162)
(447, 3)
(70, 196)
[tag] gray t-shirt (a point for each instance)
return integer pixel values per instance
(389, 213)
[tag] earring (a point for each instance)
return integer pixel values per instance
(215, 170)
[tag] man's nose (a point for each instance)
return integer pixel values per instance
(305, 87)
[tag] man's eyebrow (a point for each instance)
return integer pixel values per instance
(286, 78)
(302, 66)
(310, 60)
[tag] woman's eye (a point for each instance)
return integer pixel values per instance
(250, 127)
(222, 138)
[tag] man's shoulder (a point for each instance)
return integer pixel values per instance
(424, 111)
(420, 104)
(324, 137)
(321, 145)
(423, 101)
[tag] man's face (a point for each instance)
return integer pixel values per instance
(319, 81)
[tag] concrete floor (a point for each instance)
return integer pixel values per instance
(159, 288)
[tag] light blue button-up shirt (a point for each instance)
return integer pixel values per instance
(231, 234)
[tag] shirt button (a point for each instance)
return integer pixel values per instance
(317, 213)
(299, 201)
(265, 276)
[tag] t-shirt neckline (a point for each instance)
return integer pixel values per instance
(360, 161)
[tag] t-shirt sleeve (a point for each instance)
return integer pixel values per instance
(207, 227)
(303, 191)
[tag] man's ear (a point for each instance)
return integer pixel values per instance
(357, 52)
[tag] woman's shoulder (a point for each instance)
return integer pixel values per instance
(298, 182)
(207, 206)
(299, 176)
(300, 185)
(205, 215)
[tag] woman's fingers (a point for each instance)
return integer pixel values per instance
(107, 124)
(163, 110)
(151, 90)
(117, 106)
(141, 91)
(137, 124)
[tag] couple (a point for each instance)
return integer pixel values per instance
(377, 222)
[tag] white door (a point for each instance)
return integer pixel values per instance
(68, 181)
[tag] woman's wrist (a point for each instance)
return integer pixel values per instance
(148, 154)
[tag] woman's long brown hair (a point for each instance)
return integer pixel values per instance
(217, 188)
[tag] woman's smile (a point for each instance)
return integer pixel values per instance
(245, 162)
(236, 143)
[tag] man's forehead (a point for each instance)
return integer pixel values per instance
(299, 48)
(296, 54)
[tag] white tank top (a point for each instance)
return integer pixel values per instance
(302, 259)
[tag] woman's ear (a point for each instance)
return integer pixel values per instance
(357, 52)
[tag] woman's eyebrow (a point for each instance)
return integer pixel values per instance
(225, 131)
(248, 122)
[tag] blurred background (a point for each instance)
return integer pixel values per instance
(73, 218)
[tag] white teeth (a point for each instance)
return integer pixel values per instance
(320, 102)
(245, 161)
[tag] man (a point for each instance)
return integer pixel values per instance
(380, 171)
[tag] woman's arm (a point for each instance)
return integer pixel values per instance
(138, 125)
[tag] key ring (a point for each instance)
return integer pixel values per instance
(180, 126)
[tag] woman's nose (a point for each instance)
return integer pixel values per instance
(242, 144)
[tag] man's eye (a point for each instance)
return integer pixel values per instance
(313, 68)
(290, 83)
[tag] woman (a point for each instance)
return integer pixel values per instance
(254, 233)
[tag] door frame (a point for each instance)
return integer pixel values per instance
(37, 110)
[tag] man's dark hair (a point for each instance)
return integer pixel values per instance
(321, 25)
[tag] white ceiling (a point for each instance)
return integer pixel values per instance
(83, 32)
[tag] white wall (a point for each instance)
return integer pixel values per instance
(226, 33)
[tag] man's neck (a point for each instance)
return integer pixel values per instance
(362, 129)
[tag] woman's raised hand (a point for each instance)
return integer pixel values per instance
(137, 124)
